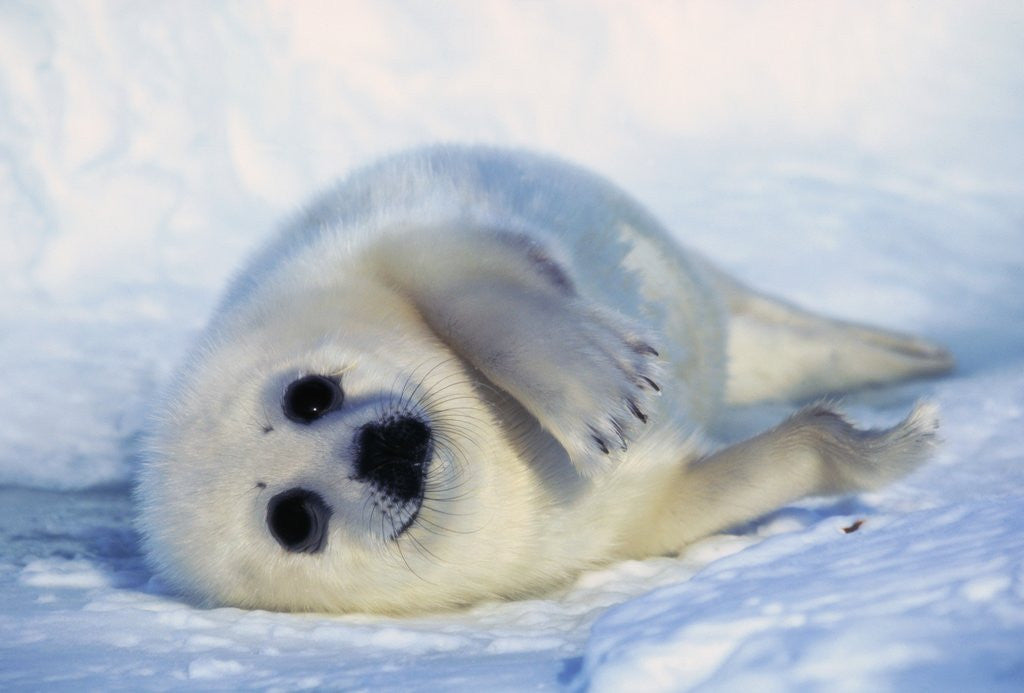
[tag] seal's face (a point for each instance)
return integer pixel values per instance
(342, 476)
(389, 455)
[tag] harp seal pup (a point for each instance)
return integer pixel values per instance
(471, 373)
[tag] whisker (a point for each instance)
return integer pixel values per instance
(420, 547)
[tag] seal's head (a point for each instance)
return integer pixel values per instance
(324, 453)
(389, 455)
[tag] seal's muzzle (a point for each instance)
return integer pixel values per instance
(392, 456)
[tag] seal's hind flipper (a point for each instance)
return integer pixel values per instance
(778, 351)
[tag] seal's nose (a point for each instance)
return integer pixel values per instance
(393, 455)
(298, 519)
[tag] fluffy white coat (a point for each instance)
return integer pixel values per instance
(566, 356)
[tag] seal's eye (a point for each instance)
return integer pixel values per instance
(309, 398)
(298, 520)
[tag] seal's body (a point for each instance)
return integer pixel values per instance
(471, 373)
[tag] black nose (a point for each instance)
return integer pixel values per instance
(392, 455)
(298, 519)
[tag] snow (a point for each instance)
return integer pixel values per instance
(865, 160)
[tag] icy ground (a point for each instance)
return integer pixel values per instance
(866, 160)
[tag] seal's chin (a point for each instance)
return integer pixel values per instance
(392, 458)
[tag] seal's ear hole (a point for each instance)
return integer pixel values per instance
(310, 397)
(298, 519)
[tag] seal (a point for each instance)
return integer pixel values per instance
(469, 373)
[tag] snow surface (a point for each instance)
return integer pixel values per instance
(864, 159)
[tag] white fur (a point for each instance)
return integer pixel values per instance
(516, 303)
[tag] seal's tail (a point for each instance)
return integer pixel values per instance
(778, 351)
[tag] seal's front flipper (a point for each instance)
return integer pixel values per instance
(505, 304)
(778, 351)
(814, 452)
